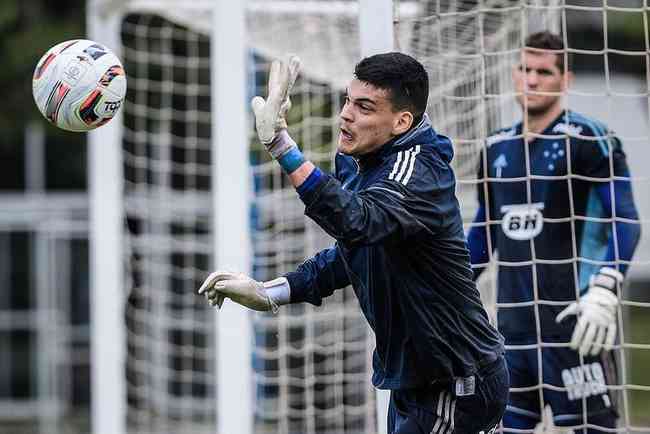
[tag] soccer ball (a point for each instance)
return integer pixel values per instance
(79, 85)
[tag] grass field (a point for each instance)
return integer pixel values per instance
(637, 331)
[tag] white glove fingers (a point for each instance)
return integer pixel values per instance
(274, 75)
(578, 332)
(571, 309)
(599, 341)
(611, 337)
(281, 80)
(215, 277)
(294, 68)
(278, 85)
(257, 104)
(217, 300)
(209, 293)
(588, 339)
(213, 296)
(232, 287)
(209, 281)
(597, 308)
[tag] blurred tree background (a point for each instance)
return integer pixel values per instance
(28, 29)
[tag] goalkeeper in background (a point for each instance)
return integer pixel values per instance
(391, 207)
(559, 209)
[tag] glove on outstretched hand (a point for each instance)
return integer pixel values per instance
(239, 288)
(270, 114)
(596, 327)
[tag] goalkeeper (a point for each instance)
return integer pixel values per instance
(391, 208)
(559, 210)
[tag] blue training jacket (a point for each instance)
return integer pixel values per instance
(400, 244)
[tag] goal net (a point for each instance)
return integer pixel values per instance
(311, 365)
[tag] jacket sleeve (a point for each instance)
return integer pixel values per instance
(601, 157)
(627, 228)
(478, 243)
(406, 199)
(477, 237)
(318, 277)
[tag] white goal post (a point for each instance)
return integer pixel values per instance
(106, 214)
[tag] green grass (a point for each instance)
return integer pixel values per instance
(637, 331)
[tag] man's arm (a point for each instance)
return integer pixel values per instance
(318, 277)
(384, 211)
(477, 238)
(315, 279)
(478, 243)
(597, 308)
(627, 228)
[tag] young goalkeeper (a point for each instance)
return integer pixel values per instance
(559, 209)
(391, 208)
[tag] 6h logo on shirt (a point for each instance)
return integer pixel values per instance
(522, 221)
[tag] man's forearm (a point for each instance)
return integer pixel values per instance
(303, 174)
(300, 175)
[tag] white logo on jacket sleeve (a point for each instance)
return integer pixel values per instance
(501, 136)
(522, 222)
(403, 167)
(570, 130)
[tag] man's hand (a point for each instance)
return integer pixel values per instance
(595, 329)
(547, 425)
(239, 288)
(270, 113)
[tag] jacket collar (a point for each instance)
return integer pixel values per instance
(422, 133)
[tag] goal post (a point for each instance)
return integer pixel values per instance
(377, 36)
(107, 301)
(231, 230)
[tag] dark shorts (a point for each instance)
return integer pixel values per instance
(572, 388)
(438, 409)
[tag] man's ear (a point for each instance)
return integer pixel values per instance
(402, 123)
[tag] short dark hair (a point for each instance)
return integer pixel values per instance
(546, 40)
(404, 77)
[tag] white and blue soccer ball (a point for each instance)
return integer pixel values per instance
(79, 85)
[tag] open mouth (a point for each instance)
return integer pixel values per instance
(345, 134)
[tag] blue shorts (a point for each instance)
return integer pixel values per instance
(442, 409)
(569, 387)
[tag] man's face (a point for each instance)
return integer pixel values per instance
(539, 82)
(367, 119)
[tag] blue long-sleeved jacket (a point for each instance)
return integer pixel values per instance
(400, 244)
(557, 209)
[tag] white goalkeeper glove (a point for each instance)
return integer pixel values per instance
(270, 113)
(547, 424)
(245, 291)
(595, 329)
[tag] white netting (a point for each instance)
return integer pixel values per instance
(311, 364)
(170, 378)
(470, 48)
(312, 370)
